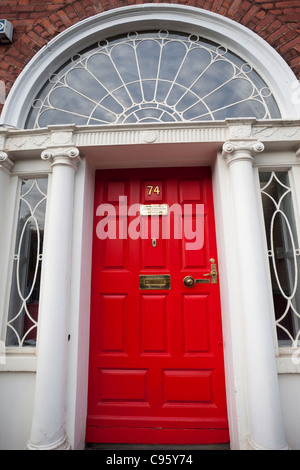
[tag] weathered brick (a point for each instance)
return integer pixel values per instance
(290, 44)
(38, 38)
(65, 18)
(251, 13)
(233, 7)
(78, 8)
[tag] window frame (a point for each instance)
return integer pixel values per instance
(287, 357)
(18, 358)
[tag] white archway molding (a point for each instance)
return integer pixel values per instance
(248, 45)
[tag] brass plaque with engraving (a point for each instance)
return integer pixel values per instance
(153, 209)
(155, 281)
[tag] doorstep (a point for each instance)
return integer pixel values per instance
(153, 447)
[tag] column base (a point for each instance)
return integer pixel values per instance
(61, 444)
(251, 445)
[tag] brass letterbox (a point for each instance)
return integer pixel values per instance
(155, 281)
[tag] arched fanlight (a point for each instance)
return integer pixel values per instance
(150, 77)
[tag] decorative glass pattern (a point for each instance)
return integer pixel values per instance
(284, 254)
(152, 77)
(24, 297)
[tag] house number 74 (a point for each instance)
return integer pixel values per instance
(153, 189)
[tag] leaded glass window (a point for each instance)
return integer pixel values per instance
(152, 77)
(283, 253)
(23, 310)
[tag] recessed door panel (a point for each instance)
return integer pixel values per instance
(196, 323)
(154, 326)
(121, 386)
(113, 315)
(186, 387)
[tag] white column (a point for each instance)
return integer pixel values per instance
(48, 424)
(263, 399)
(6, 166)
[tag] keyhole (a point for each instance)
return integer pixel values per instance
(154, 242)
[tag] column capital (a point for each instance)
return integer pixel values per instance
(62, 156)
(5, 163)
(237, 151)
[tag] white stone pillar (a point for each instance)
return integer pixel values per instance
(48, 424)
(6, 166)
(263, 399)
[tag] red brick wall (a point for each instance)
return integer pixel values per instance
(36, 22)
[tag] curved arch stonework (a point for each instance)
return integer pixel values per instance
(213, 27)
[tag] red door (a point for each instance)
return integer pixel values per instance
(156, 355)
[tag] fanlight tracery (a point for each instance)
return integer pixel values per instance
(152, 77)
(283, 253)
(22, 319)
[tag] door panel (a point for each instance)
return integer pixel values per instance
(156, 356)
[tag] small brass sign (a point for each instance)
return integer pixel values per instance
(155, 281)
(154, 209)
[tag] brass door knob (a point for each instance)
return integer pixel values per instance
(189, 281)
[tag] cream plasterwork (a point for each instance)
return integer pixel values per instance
(17, 142)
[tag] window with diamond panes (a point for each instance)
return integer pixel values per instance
(148, 77)
(283, 253)
(22, 321)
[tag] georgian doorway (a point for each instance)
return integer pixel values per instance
(156, 350)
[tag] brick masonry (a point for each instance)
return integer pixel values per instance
(36, 22)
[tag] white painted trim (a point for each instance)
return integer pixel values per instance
(241, 40)
(19, 144)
